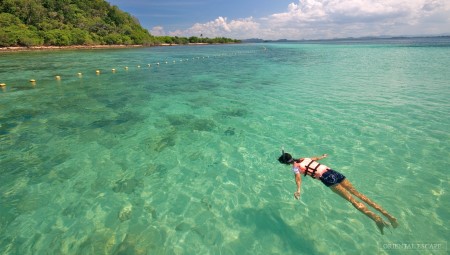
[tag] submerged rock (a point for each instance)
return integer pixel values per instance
(125, 213)
(183, 227)
(230, 131)
(127, 186)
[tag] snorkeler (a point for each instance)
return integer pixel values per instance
(337, 183)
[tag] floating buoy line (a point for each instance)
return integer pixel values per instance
(157, 64)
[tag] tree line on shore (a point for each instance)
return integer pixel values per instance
(77, 22)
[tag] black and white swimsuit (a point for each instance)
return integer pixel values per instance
(328, 176)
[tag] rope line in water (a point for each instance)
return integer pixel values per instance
(98, 72)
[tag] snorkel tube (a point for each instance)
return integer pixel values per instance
(285, 158)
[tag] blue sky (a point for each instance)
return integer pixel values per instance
(290, 19)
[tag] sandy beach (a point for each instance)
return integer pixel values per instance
(74, 47)
(84, 47)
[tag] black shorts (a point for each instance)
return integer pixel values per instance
(331, 177)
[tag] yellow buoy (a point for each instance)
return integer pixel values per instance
(80, 75)
(2, 85)
(113, 70)
(58, 78)
(97, 72)
(32, 81)
(126, 68)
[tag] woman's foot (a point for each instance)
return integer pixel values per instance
(393, 221)
(381, 225)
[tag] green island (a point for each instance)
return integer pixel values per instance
(31, 23)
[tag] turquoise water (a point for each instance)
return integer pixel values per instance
(180, 157)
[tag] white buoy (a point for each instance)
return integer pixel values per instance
(157, 63)
(138, 66)
(126, 68)
(149, 65)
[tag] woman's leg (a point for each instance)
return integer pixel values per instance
(342, 191)
(347, 185)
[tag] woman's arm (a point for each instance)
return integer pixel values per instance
(298, 181)
(319, 158)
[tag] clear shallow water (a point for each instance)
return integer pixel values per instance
(180, 158)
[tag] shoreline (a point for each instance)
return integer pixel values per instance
(72, 47)
(86, 47)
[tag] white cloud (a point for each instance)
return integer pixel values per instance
(335, 18)
(221, 27)
(157, 31)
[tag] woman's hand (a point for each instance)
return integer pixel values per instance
(297, 195)
(319, 158)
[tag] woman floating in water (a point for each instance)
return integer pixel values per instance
(337, 182)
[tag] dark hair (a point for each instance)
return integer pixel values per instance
(285, 158)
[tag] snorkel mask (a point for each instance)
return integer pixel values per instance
(285, 158)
